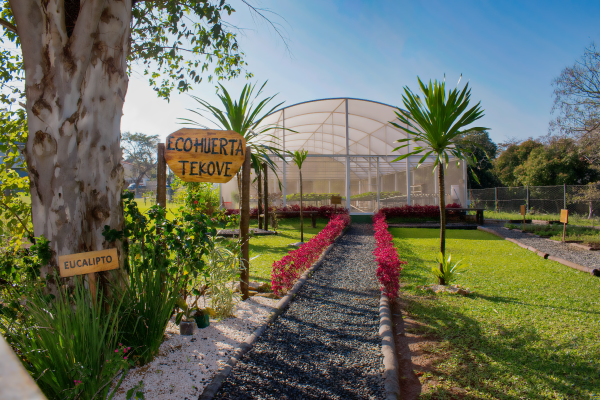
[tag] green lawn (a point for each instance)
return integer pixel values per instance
(274, 247)
(531, 330)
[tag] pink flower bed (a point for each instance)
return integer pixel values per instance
(287, 270)
(416, 211)
(388, 270)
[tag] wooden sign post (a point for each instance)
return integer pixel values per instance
(88, 263)
(523, 212)
(335, 200)
(205, 155)
(564, 218)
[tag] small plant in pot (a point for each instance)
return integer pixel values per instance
(185, 318)
(202, 318)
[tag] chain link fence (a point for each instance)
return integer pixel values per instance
(582, 200)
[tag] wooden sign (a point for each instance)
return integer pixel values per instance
(336, 199)
(86, 263)
(205, 155)
(523, 210)
(564, 216)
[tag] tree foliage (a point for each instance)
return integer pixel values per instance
(140, 150)
(481, 171)
(514, 156)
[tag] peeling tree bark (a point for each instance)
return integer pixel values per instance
(75, 87)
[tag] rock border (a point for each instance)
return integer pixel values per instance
(213, 387)
(569, 264)
(388, 348)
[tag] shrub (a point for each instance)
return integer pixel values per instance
(388, 270)
(416, 211)
(287, 270)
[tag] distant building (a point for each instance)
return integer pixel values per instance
(20, 167)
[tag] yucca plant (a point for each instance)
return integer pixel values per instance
(299, 156)
(438, 121)
(447, 272)
(244, 117)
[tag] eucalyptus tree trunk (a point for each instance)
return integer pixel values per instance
(442, 217)
(260, 198)
(75, 82)
(301, 216)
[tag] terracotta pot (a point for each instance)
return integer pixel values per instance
(186, 328)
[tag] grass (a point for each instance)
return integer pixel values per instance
(529, 331)
(555, 232)
(574, 219)
(274, 247)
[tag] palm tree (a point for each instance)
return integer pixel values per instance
(437, 121)
(298, 157)
(244, 117)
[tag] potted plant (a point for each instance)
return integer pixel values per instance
(202, 318)
(185, 318)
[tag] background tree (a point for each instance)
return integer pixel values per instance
(141, 151)
(437, 121)
(481, 172)
(299, 156)
(558, 163)
(76, 57)
(510, 159)
(577, 96)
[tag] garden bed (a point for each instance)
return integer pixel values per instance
(574, 234)
(185, 365)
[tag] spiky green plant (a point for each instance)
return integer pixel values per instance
(299, 156)
(448, 271)
(437, 121)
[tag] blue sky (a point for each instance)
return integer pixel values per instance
(509, 51)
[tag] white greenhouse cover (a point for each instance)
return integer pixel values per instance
(320, 127)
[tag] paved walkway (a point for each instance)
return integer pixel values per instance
(326, 344)
(563, 250)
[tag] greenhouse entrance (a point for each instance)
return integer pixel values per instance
(350, 144)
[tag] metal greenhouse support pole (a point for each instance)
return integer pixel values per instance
(283, 190)
(245, 226)
(347, 160)
(260, 199)
(378, 186)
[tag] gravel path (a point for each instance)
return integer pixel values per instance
(326, 344)
(563, 250)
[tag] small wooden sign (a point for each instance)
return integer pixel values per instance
(86, 263)
(336, 199)
(205, 155)
(564, 216)
(523, 210)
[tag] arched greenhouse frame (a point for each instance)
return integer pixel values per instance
(350, 145)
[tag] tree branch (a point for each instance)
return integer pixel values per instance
(8, 26)
(83, 34)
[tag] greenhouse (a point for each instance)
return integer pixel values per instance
(350, 145)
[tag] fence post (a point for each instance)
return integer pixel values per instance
(496, 198)
(565, 195)
(527, 199)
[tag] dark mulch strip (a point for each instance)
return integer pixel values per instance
(236, 232)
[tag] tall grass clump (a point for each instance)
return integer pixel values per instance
(71, 349)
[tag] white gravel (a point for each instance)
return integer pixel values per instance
(186, 364)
